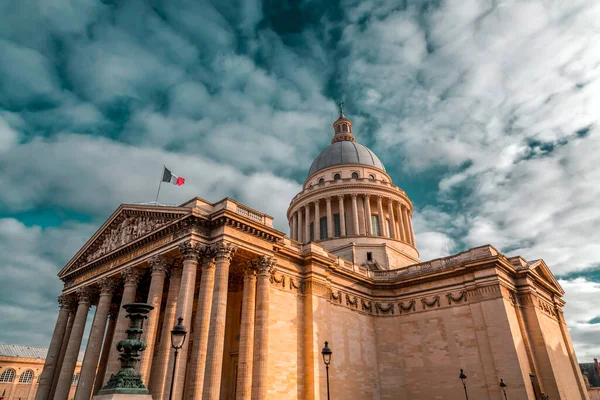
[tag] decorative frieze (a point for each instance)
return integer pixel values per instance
(281, 280)
(337, 298)
(381, 309)
(430, 303)
(411, 306)
(462, 297)
(352, 302)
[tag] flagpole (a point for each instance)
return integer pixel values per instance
(160, 183)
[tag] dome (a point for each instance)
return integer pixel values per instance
(345, 152)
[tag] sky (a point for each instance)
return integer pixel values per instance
(485, 112)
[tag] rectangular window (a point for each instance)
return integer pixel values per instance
(369, 256)
(388, 227)
(312, 231)
(323, 228)
(337, 228)
(375, 223)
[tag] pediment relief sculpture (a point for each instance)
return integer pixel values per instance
(130, 229)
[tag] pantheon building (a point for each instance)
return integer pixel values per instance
(259, 305)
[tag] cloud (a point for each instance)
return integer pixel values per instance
(579, 313)
(30, 287)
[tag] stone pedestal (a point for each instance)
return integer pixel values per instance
(122, 397)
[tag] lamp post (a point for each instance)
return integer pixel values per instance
(463, 379)
(503, 386)
(326, 352)
(532, 378)
(177, 339)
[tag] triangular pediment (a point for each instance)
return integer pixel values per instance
(128, 224)
(541, 270)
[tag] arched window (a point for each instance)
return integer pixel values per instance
(344, 128)
(355, 175)
(7, 376)
(337, 177)
(339, 128)
(26, 377)
(372, 177)
(321, 180)
(75, 380)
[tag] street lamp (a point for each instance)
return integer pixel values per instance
(532, 378)
(503, 386)
(463, 378)
(326, 352)
(178, 335)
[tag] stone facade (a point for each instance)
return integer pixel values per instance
(21, 368)
(259, 305)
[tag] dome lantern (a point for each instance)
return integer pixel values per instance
(342, 128)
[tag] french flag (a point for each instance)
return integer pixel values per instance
(168, 176)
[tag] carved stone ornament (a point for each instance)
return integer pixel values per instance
(158, 263)
(130, 229)
(265, 265)
(381, 309)
(190, 250)
(224, 251)
(409, 307)
(249, 269)
(432, 303)
(366, 305)
(351, 301)
(107, 285)
(131, 275)
(281, 279)
(461, 297)
(337, 298)
(207, 256)
(84, 294)
(67, 302)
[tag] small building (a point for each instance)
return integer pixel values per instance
(20, 370)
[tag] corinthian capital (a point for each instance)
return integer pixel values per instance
(107, 285)
(84, 294)
(224, 250)
(67, 302)
(131, 275)
(158, 264)
(265, 265)
(207, 255)
(190, 250)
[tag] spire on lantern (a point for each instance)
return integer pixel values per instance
(342, 127)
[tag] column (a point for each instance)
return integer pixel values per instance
(63, 346)
(110, 333)
(300, 228)
(410, 227)
(261, 326)
(401, 223)
(354, 215)
(342, 215)
(131, 278)
(50, 365)
(216, 336)
(94, 344)
(158, 264)
(202, 323)
(294, 232)
(190, 251)
(368, 219)
(406, 224)
(161, 369)
(317, 225)
(382, 224)
(329, 218)
(68, 367)
(392, 231)
(307, 223)
(246, 350)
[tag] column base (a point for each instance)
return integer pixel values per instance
(122, 397)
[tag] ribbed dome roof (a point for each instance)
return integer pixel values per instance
(345, 152)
